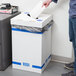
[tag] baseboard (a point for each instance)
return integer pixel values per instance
(61, 59)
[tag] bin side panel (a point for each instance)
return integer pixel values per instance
(26, 49)
(46, 47)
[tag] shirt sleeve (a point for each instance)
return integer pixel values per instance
(55, 1)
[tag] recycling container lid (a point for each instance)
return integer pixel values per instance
(24, 20)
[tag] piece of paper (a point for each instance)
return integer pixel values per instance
(37, 10)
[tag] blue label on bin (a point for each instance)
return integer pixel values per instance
(39, 20)
(26, 64)
(26, 12)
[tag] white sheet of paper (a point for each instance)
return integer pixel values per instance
(37, 10)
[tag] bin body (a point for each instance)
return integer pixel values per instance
(31, 49)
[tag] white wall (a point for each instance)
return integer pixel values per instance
(60, 31)
(60, 38)
(61, 45)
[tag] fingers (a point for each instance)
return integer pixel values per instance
(45, 4)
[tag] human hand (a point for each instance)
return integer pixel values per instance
(46, 3)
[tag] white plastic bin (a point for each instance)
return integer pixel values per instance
(31, 42)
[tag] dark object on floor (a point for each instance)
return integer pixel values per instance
(69, 66)
(69, 74)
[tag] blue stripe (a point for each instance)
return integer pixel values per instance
(15, 29)
(47, 59)
(33, 66)
(38, 67)
(26, 64)
(43, 65)
(18, 63)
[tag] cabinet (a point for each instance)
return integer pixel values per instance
(5, 40)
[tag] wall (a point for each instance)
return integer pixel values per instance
(60, 30)
(60, 38)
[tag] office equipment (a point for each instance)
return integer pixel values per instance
(8, 8)
(5, 40)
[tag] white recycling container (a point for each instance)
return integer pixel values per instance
(31, 42)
